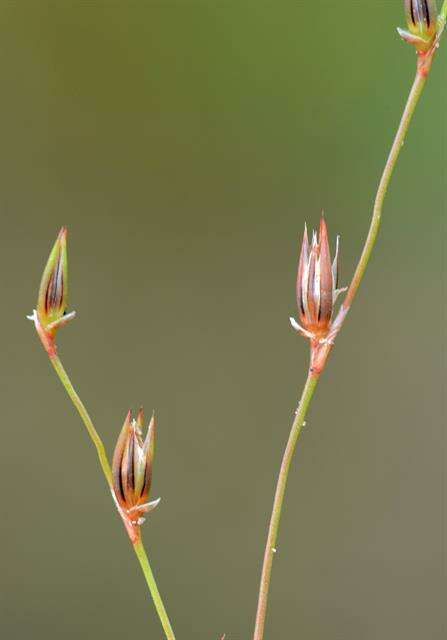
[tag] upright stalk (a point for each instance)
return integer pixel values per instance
(325, 349)
(149, 576)
(270, 547)
(105, 466)
(76, 400)
(413, 98)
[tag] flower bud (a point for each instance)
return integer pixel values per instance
(132, 472)
(316, 286)
(52, 299)
(50, 313)
(421, 19)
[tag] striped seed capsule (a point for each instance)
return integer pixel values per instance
(422, 27)
(132, 472)
(316, 286)
(52, 298)
(51, 310)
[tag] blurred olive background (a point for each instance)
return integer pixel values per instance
(184, 144)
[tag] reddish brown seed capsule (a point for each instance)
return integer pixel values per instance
(132, 472)
(316, 286)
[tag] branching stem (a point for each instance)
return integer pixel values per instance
(313, 376)
(76, 400)
(105, 466)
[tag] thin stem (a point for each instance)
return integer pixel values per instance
(105, 466)
(442, 19)
(412, 101)
(149, 576)
(424, 65)
(270, 547)
(313, 377)
(63, 377)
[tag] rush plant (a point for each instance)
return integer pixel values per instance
(129, 477)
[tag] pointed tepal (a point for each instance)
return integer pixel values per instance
(326, 279)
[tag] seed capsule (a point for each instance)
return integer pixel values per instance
(132, 472)
(421, 16)
(52, 299)
(51, 311)
(316, 286)
(421, 19)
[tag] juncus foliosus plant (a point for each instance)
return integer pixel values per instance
(318, 320)
(129, 478)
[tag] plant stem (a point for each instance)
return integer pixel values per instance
(312, 379)
(442, 17)
(105, 466)
(270, 547)
(63, 377)
(413, 98)
(149, 576)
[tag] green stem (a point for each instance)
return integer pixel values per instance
(105, 466)
(442, 19)
(270, 547)
(76, 400)
(412, 101)
(399, 139)
(149, 576)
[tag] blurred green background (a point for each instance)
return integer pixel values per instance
(184, 144)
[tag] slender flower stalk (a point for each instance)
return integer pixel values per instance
(317, 363)
(140, 552)
(270, 547)
(51, 314)
(442, 18)
(85, 417)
